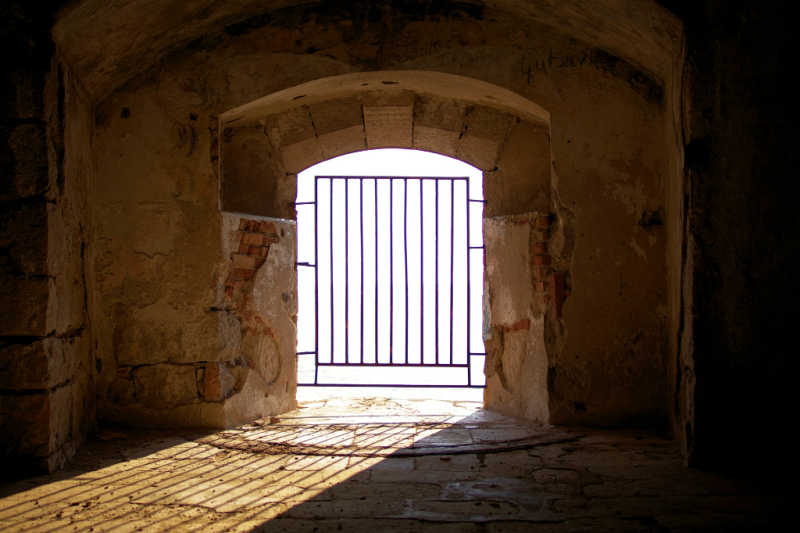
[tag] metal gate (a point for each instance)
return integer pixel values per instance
(389, 293)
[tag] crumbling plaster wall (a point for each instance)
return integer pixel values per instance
(180, 346)
(160, 262)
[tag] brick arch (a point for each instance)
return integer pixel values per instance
(265, 143)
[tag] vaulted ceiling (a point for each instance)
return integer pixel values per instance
(108, 42)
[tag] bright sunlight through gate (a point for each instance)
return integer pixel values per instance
(392, 280)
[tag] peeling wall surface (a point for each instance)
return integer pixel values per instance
(162, 251)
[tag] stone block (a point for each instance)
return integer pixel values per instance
(517, 360)
(139, 342)
(203, 337)
(41, 364)
(388, 126)
(149, 335)
(486, 130)
(23, 233)
(23, 366)
(438, 140)
(335, 115)
(84, 402)
(295, 125)
(61, 400)
(298, 156)
(165, 385)
(121, 390)
(478, 151)
(488, 123)
(25, 98)
(254, 179)
(67, 306)
(25, 424)
(439, 114)
(343, 141)
(218, 382)
(24, 309)
(244, 261)
(28, 171)
(524, 166)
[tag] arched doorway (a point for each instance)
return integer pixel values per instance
(266, 143)
(403, 308)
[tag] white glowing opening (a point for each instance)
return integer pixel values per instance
(373, 344)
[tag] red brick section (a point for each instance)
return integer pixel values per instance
(541, 257)
(255, 238)
(519, 325)
(547, 281)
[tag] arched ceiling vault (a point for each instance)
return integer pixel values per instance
(107, 43)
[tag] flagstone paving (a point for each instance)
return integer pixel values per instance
(381, 465)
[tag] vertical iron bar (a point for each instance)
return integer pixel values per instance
(361, 266)
(421, 279)
(330, 201)
(405, 252)
(346, 272)
(391, 271)
(316, 279)
(436, 245)
(376, 271)
(469, 302)
(452, 189)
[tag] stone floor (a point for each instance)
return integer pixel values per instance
(382, 465)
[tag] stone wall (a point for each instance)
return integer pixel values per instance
(247, 371)
(160, 260)
(519, 285)
(623, 109)
(737, 322)
(46, 366)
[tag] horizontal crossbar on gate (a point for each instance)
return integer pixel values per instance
(396, 349)
(401, 385)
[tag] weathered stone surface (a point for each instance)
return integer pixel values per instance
(438, 125)
(388, 126)
(28, 177)
(26, 86)
(122, 390)
(24, 309)
(157, 186)
(40, 364)
(524, 164)
(485, 131)
(148, 338)
(67, 305)
(300, 155)
(25, 423)
(266, 190)
(165, 385)
(336, 115)
(295, 126)
(517, 360)
(440, 141)
(23, 234)
(343, 141)
(218, 382)
(293, 475)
